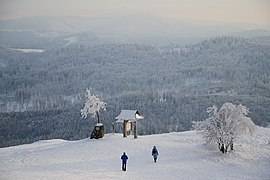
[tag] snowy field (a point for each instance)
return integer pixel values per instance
(28, 50)
(182, 156)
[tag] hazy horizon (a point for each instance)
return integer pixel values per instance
(227, 11)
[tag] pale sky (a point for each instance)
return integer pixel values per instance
(233, 11)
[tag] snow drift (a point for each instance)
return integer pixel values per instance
(181, 156)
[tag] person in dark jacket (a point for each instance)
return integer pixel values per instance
(124, 158)
(155, 153)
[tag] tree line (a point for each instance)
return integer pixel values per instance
(170, 86)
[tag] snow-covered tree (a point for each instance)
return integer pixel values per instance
(93, 105)
(224, 125)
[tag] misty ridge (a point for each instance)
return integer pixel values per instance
(169, 70)
(39, 31)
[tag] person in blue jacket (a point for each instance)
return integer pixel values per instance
(124, 158)
(155, 153)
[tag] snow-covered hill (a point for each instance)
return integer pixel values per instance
(182, 156)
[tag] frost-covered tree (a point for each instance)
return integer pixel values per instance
(93, 105)
(224, 125)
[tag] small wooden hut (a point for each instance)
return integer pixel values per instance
(98, 131)
(130, 120)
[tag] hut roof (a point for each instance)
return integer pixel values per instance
(130, 115)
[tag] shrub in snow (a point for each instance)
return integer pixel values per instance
(93, 105)
(224, 125)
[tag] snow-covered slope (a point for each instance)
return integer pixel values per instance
(182, 156)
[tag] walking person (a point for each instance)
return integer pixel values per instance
(155, 153)
(124, 158)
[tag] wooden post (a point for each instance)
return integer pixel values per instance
(125, 128)
(113, 128)
(135, 129)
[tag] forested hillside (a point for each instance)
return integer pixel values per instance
(170, 86)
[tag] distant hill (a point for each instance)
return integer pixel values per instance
(147, 29)
(252, 33)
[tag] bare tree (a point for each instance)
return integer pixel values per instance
(224, 125)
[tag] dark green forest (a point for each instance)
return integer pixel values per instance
(41, 94)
